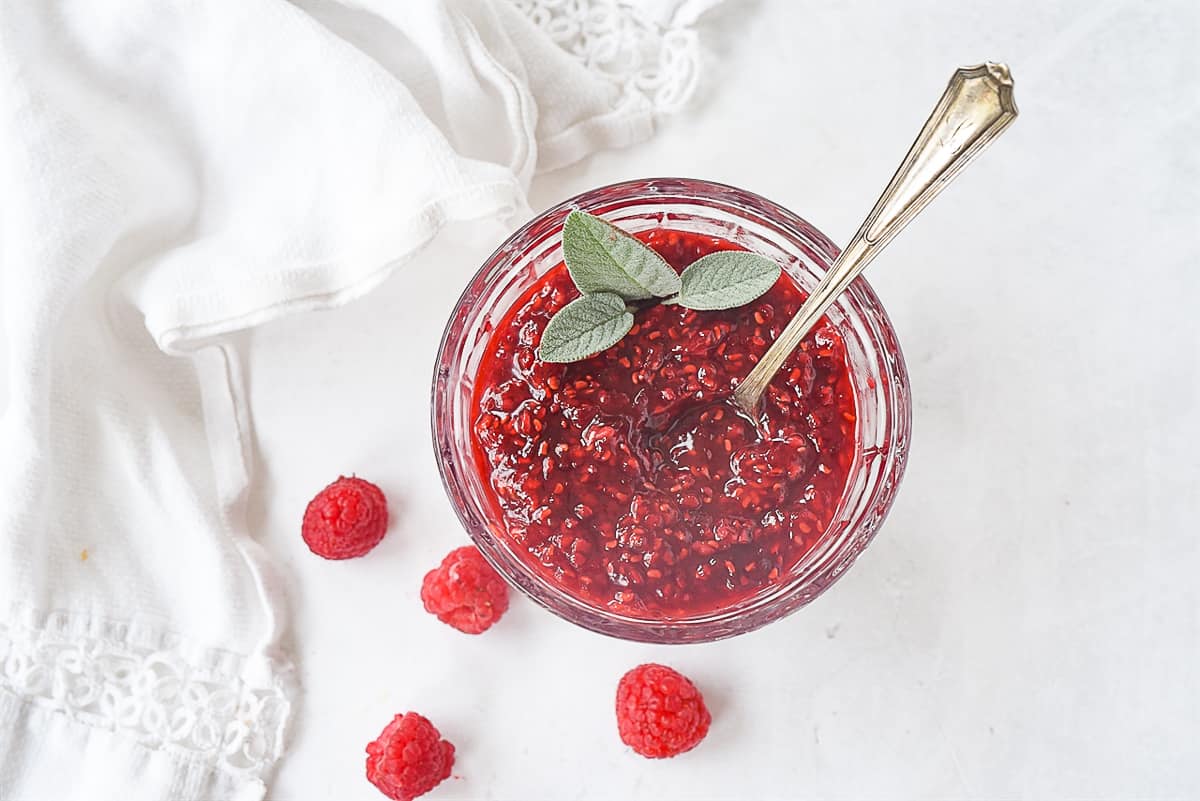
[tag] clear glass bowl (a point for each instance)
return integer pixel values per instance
(877, 370)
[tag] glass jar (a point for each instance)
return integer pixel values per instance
(876, 367)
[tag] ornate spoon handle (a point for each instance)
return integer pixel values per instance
(976, 107)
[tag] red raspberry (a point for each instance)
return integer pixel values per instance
(659, 712)
(465, 591)
(346, 519)
(409, 758)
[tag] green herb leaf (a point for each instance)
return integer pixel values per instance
(603, 258)
(726, 279)
(584, 327)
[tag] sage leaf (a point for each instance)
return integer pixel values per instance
(726, 279)
(602, 258)
(584, 327)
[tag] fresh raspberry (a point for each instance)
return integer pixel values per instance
(409, 758)
(659, 712)
(465, 591)
(346, 519)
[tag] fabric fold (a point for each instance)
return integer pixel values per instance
(172, 173)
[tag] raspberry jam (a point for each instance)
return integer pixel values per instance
(631, 480)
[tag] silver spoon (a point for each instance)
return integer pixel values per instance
(976, 107)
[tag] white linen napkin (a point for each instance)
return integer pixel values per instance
(171, 172)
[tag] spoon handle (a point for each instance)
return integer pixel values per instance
(976, 107)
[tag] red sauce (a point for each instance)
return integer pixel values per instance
(631, 480)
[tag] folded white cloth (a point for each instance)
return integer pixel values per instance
(174, 171)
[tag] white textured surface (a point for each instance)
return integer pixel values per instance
(1026, 625)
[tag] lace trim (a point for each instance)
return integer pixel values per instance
(655, 61)
(116, 676)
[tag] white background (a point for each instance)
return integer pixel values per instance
(1026, 624)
